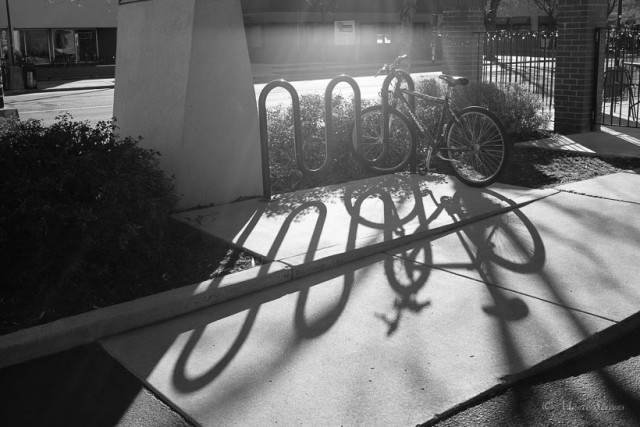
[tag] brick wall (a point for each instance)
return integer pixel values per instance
(576, 72)
(462, 23)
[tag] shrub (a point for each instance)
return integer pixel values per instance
(284, 171)
(79, 205)
(521, 111)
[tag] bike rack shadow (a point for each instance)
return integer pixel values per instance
(407, 291)
(297, 127)
(304, 330)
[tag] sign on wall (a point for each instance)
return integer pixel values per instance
(345, 32)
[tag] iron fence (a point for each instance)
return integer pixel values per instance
(524, 57)
(619, 87)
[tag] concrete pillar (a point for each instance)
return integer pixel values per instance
(577, 74)
(184, 83)
(462, 28)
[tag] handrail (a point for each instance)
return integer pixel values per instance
(297, 127)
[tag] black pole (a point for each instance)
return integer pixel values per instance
(619, 13)
(10, 29)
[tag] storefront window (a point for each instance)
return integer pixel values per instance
(87, 48)
(35, 46)
(64, 46)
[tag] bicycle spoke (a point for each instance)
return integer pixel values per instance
(478, 145)
(385, 156)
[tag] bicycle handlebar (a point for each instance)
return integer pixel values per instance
(386, 68)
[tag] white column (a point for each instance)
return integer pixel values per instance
(184, 83)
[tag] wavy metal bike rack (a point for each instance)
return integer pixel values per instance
(297, 127)
(385, 107)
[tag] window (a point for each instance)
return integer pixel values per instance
(383, 38)
(385, 34)
(87, 45)
(64, 46)
(35, 45)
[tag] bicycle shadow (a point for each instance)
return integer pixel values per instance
(408, 273)
(302, 206)
(405, 202)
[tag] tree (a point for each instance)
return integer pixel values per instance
(550, 8)
(490, 12)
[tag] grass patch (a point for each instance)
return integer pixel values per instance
(543, 168)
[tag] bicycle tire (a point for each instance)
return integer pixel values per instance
(376, 155)
(482, 132)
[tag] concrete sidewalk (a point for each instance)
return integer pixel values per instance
(451, 291)
(607, 142)
(62, 85)
(444, 294)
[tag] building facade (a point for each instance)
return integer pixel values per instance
(59, 32)
(356, 31)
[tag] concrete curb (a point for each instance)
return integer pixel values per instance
(55, 89)
(63, 334)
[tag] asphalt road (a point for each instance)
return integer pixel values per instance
(97, 104)
(369, 88)
(92, 105)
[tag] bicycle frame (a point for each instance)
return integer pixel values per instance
(433, 142)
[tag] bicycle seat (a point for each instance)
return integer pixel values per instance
(454, 81)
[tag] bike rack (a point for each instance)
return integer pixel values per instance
(297, 127)
(385, 107)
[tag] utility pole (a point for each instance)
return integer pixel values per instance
(10, 31)
(7, 112)
(619, 13)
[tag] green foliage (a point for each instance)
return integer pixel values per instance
(283, 169)
(521, 111)
(79, 205)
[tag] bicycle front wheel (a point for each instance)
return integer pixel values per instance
(478, 146)
(384, 156)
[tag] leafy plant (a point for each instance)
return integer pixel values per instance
(79, 205)
(521, 111)
(284, 172)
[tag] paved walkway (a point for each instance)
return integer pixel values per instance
(454, 290)
(388, 301)
(608, 141)
(398, 298)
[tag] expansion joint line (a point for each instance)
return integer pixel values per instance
(577, 193)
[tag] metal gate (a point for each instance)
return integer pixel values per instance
(620, 78)
(524, 57)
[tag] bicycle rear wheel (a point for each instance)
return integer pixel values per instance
(380, 156)
(478, 146)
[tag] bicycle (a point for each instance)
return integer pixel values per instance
(473, 139)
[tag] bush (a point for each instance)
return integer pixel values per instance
(79, 205)
(521, 111)
(284, 172)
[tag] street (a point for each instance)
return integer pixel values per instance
(92, 105)
(97, 104)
